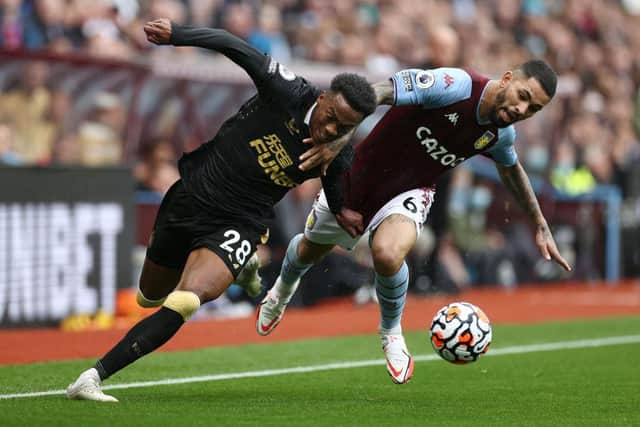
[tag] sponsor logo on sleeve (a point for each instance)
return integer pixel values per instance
(425, 79)
(273, 65)
(406, 81)
(484, 140)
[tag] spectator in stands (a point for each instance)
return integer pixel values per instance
(51, 28)
(238, 19)
(17, 25)
(157, 169)
(269, 37)
(25, 106)
(100, 137)
(8, 156)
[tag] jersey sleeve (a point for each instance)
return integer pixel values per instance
(285, 88)
(272, 79)
(332, 181)
(249, 58)
(434, 88)
(504, 151)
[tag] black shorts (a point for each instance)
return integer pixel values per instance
(182, 226)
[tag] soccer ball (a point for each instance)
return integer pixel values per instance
(460, 333)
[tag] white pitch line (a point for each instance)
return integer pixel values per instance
(533, 348)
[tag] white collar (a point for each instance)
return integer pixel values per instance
(307, 117)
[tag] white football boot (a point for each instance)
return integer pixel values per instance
(271, 310)
(399, 361)
(87, 387)
(249, 279)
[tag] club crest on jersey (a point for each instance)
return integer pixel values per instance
(425, 79)
(484, 140)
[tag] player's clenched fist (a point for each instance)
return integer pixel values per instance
(158, 31)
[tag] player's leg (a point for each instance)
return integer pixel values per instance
(321, 234)
(156, 282)
(390, 244)
(300, 256)
(204, 278)
(249, 278)
(396, 228)
(169, 247)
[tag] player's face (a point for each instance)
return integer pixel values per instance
(332, 118)
(517, 99)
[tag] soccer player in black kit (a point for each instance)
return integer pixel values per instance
(211, 220)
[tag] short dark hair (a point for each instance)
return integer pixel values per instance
(542, 72)
(356, 91)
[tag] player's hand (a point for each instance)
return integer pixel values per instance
(158, 31)
(351, 221)
(547, 247)
(318, 155)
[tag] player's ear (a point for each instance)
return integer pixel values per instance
(506, 78)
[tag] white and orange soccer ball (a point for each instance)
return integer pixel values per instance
(460, 333)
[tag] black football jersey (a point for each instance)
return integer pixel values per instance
(252, 161)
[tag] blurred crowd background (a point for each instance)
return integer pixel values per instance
(81, 86)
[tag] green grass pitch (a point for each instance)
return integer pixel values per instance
(584, 386)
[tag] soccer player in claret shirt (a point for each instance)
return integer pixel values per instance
(211, 220)
(438, 119)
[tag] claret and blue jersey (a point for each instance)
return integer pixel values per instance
(433, 126)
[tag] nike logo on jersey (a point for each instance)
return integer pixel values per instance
(453, 118)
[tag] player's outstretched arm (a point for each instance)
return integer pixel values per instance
(163, 31)
(516, 180)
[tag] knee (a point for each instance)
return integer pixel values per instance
(310, 253)
(146, 302)
(186, 303)
(387, 259)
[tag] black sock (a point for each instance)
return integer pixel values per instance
(147, 335)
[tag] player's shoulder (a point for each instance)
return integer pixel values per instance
(279, 70)
(452, 79)
(446, 85)
(507, 135)
(432, 88)
(288, 87)
(283, 74)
